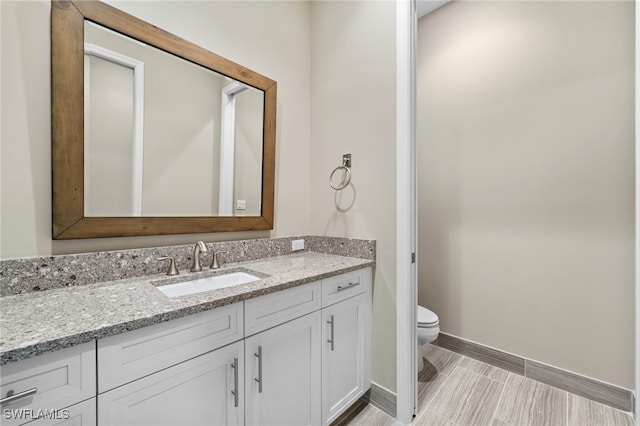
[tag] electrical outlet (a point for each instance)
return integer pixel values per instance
(241, 205)
(297, 245)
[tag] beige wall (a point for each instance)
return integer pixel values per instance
(526, 171)
(181, 134)
(353, 84)
(353, 110)
(247, 185)
(108, 130)
(277, 47)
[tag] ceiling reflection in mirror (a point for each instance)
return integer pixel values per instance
(165, 137)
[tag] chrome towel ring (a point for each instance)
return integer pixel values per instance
(346, 178)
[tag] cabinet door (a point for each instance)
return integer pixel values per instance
(201, 391)
(346, 359)
(283, 374)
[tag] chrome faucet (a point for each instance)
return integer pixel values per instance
(200, 247)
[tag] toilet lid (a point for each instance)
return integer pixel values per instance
(425, 316)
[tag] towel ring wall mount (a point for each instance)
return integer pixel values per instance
(346, 178)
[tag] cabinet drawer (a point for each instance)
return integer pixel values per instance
(129, 356)
(344, 286)
(60, 379)
(82, 414)
(276, 308)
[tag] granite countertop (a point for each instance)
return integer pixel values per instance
(38, 322)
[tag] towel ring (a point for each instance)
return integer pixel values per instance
(345, 181)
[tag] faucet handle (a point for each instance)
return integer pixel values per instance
(172, 266)
(214, 261)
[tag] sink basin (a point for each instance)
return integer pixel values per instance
(207, 284)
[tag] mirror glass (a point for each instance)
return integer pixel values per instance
(164, 136)
(152, 134)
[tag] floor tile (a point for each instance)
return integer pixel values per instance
(454, 390)
(479, 367)
(585, 412)
(443, 360)
(467, 399)
(372, 416)
(429, 418)
(428, 372)
(526, 402)
(438, 364)
(429, 384)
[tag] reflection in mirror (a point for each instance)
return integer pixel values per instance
(188, 147)
(159, 128)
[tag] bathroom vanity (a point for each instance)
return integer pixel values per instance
(293, 347)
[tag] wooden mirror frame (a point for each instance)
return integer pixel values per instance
(67, 126)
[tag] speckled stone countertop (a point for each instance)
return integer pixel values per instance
(38, 322)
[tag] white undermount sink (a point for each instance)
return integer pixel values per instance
(206, 284)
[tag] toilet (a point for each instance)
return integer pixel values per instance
(428, 329)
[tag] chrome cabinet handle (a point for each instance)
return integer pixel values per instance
(234, 392)
(340, 288)
(332, 339)
(259, 379)
(12, 397)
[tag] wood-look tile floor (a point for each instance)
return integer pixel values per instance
(454, 390)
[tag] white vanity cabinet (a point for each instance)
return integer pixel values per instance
(282, 357)
(309, 370)
(298, 356)
(43, 387)
(282, 376)
(346, 341)
(187, 371)
(129, 356)
(345, 365)
(206, 390)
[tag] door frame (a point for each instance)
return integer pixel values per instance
(637, 212)
(406, 211)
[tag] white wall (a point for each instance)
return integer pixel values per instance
(526, 179)
(353, 111)
(277, 47)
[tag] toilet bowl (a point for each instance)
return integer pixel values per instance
(428, 329)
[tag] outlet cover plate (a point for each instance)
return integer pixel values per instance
(297, 245)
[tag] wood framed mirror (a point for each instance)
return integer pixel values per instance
(72, 218)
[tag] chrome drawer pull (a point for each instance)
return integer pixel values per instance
(12, 397)
(234, 392)
(340, 288)
(332, 339)
(259, 379)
